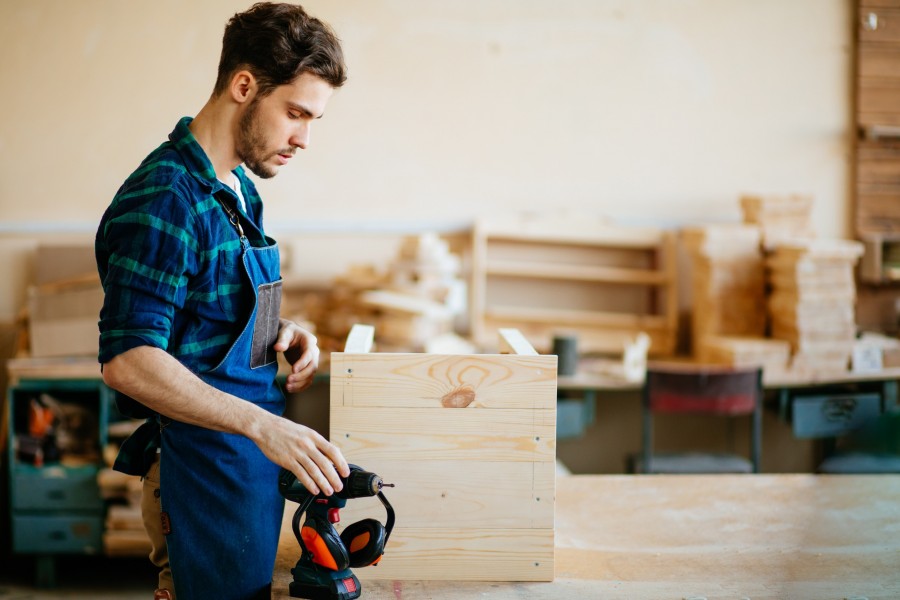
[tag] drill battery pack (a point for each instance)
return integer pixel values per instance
(316, 583)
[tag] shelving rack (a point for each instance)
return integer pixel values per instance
(602, 282)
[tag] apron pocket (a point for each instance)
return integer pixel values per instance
(265, 328)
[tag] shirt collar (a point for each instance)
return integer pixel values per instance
(195, 159)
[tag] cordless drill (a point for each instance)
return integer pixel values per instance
(323, 570)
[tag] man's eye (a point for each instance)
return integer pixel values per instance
(293, 115)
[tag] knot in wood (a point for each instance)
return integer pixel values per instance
(460, 397)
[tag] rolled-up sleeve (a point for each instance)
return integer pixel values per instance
(147, 251)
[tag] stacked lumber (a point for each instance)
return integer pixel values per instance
(770, 354)
(781, 218)
(124, 534)
(812, 300)
(728, 280)
(728, 285)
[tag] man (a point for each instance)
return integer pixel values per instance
(190, 325)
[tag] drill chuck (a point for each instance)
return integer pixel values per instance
(361, 484)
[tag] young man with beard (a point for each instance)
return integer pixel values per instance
(190, 326)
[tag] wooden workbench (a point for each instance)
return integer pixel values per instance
(802, 537)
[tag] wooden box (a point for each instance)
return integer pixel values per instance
(470, 443)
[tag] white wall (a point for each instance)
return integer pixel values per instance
(650, 111)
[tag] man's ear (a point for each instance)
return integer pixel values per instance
(243, 86)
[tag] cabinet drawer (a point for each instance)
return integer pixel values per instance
(50, 534)
(828, 416)
(56, 488)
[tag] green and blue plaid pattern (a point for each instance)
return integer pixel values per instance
(170, 260)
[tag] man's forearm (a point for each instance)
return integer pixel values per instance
(160, 382)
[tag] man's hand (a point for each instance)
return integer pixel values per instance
(159, 381)
(314, 460)
(302, 353)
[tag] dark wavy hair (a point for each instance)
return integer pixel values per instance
(277, 43)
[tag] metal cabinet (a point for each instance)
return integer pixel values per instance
(55, 502)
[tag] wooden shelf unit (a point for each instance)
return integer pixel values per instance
(881, 259)
(601, 282)
(877, 116)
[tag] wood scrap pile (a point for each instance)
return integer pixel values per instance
(772, 355)
(728, 280)
(63, 304)
(421, 298)
(780, 218)
(729, 297)
(124, 533)
(811, 304)
(417, 298)
(333, 311)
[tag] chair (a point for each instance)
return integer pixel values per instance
(701, 389)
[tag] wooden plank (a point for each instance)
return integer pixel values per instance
(615, 275)
(818, 250)
(460, 493)
(590, 339)
(360, 339)
(549, 228)
(512, 435)
(452, 554)
(513, 342)
(878, 61)
(879, 102)
(577, 317)
(62, 367)
(438, 380)
(880, 205)
(126, 543)
(125, 518)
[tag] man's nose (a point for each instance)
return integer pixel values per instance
(300, 139)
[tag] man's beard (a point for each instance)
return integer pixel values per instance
(251, 144)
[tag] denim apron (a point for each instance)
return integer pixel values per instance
(219, 491)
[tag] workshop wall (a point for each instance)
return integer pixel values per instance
(648, 111)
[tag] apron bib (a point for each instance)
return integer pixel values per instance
(219, 490)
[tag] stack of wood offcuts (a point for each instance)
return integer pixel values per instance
(419, 298)
(768, 293)
(780, 218)
(124, 533)
(729, 298)
(812, 302)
